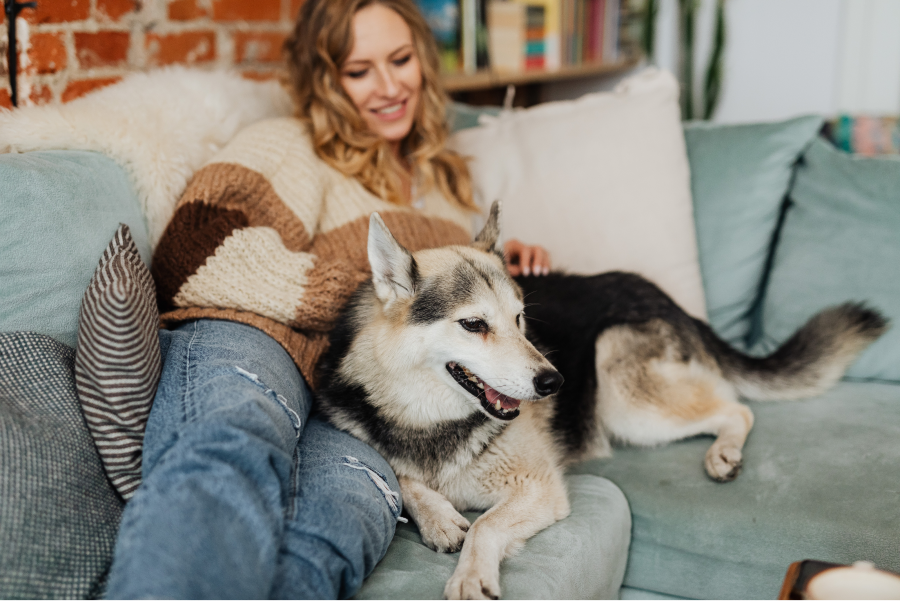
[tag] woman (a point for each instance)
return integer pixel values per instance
(242, 495)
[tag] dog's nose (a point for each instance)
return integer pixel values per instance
(547, 382)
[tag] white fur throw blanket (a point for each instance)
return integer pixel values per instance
(160, 126)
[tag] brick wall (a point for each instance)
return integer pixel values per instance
(69, 47)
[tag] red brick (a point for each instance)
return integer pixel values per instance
(6, 99)
(60, 11)
(114, 10)
(246, 10)
(186, 10)
(41, 95)
(260, 75)
(104, 49)
(76, 89)
(190, 47)
(258, 47)
(295, 9)
(47, 53)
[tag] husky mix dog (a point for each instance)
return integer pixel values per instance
(432, 365)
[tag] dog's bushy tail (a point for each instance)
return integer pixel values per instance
(810, 361)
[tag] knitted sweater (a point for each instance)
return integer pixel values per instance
(269, 235)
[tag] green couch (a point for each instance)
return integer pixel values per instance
(786, 225)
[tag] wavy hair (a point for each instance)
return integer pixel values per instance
(320, 43)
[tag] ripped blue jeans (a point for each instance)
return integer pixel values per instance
(243, 496)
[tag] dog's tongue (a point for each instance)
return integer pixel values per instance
(506, 402)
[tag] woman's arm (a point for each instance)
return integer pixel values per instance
(241, 235)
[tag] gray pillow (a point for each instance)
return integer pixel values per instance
(118, 364)
(58, 513)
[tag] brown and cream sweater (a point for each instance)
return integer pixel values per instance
(269, 235)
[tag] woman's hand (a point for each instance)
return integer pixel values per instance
(522, 259)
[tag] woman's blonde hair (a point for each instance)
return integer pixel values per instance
(320, 43)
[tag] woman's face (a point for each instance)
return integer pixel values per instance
(382, 75)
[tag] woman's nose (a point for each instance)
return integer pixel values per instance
(388, 85)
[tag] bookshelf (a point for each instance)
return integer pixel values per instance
(485, 80)
(531, 44)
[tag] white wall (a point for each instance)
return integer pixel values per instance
(791, 57)
(785, 58)
(869, 68)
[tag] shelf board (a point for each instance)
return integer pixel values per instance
(481, 80)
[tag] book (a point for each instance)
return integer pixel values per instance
(610, 44)
(535, 34)
(469, 35)
(442, 17)
(552, 31)
(506, 35)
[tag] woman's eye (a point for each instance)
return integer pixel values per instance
(473, 324)
(356, 74)
(402, 61)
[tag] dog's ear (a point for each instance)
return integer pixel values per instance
(393, 267)
(486, 240)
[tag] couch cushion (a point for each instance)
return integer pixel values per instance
(58, 512)
(463, 116)
(58, 211)
(740, 175)
(819, 482)
(118, 363)
(580, 557)
(602, 182)
(840, 242)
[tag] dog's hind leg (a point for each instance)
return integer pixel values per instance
(649, 395)
(725, 457)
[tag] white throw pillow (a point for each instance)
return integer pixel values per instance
(602, 182)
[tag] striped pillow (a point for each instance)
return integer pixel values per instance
(117, 362)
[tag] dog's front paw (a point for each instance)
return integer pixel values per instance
(723, 463)
(479, 582)
(444, 532)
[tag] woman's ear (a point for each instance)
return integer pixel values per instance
(486, 240)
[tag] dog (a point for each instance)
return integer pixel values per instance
(432, 364)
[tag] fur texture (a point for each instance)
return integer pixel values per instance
(431, 365)
(160, 126)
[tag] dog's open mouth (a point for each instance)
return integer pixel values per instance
(495, 403)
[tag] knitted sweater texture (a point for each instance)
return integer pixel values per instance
(269, 235)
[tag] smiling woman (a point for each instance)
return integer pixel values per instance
(382, 75)
(365, 76)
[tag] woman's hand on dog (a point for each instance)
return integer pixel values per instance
(522, 259)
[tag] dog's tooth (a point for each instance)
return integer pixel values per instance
(481, 385)
(497, 406)
(473, 379)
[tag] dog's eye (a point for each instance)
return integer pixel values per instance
(519, 320)
(473, 324)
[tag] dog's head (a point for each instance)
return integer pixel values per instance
(462, 317)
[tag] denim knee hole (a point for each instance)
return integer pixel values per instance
(392, 498)
(292, 415)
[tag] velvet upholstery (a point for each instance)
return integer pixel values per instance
(740, 175)
(58, 211)
(840, 242)
(820, 481)
(580, 557)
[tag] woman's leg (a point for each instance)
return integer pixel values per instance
(219, 457)
(342, 517)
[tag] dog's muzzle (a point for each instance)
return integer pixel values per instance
(495, 403)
